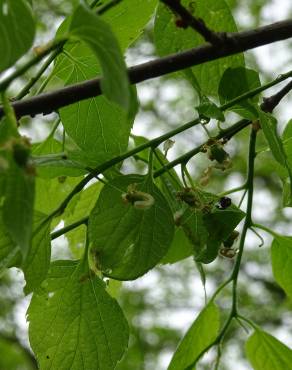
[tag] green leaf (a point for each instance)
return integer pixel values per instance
(172, 39)
(17, 30)
(235, 82)
(88, 27)
(18, 205)
(269, 126)
(267, 353)
(220, 224)
(37, 262)
(206, 227)
(9, 251)
(179, 249)
(127, 242)
(199, 336)
(99, 128)
(128, 31)
(49, 193)
(51, 161)
(79, 207)
(74, 323)
(282, 262)
(209, 109)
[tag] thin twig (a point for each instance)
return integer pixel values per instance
(271, 102)
(188, 20)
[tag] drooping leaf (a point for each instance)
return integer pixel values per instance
(281, 251)
(101, 129)
(171, 39)
(286, 140)
(37, 261)
(201, 334)
(88, 27)
(235, 82)
(17, 29)
(266, 352)
(269, 126)
(126, 242)
(74, 323)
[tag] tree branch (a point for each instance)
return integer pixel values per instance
(242, 41)
(188, 20)
(269, 104)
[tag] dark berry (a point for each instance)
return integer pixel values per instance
(223, 203)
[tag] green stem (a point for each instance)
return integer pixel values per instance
(253, 325)
(248, 217)
(186, 172)
(26, 89)
(256, 91)
(112, 162)
(57, 44)
(151, 143)
(235, 272)
(229, 132)
(66, 229)
(267, 229)
(234, 190)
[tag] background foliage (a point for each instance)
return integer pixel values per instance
(79, 316)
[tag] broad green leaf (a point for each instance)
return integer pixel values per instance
(37, 262)
(18, 204)
(199, 336)
(265, 352)
(74, 323)
(49, 193)
(282, 262)
(126, 242)
(208, 109)
(99, 128)
(235, 82)
(171, 39)
(80, 207)
(9, 252)
(88, 27)
(17, 31)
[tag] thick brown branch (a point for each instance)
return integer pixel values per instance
(188, 20)
(242, 41)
